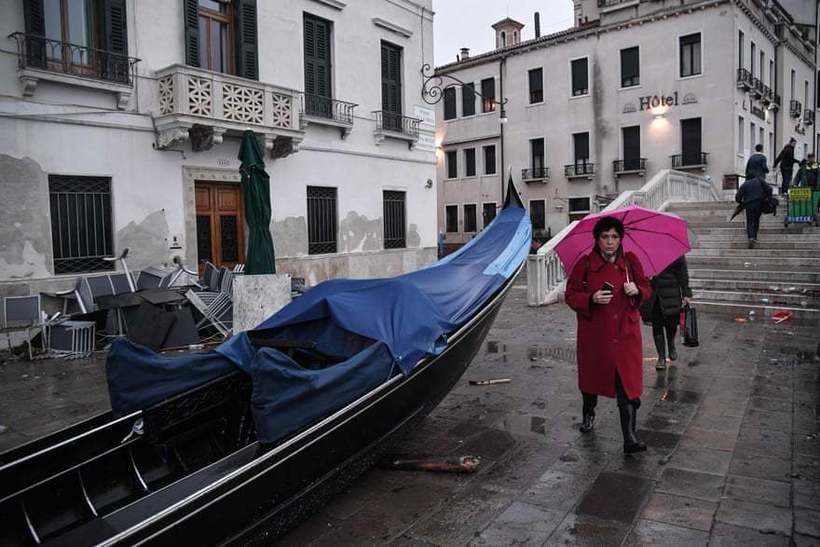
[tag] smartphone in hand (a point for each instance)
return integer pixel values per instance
(608, 287)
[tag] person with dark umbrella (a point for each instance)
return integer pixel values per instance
(786, 161)
(606, 288)
(670, 291)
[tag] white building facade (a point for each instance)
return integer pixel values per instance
(121, 122)
(634, 87)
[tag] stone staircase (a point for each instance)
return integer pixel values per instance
(781, 273)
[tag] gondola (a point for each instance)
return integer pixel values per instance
(215, 463)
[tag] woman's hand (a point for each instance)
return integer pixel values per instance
(631, 289)
(602, 297)
(686, 301)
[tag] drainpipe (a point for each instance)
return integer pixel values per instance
(501, 132)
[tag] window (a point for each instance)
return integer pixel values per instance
(470, 218)
(468, 99)
(771, 74)
(578, 208)
(690, 55)
(469, 162)
(771, 142)
(221, 36)
(449, 103)
(95, 29)
(752, 59)
(321, 219)
(537, 156)
(761, 136)
(537, 214)
(691, 152)
(740, 49)
(503, 39)
(580, 146)
(580, 77)
(391, 87)
(451, 218)
(318, 91)
(452, 164)
(632, 148)
(752, 136)
(536, 85)
(394, 220)
(805, 150)
(792, 85)
(81, 232)
(762, 64)
(488, 94)
(488, 212)
(741, 141)
(630, 67)
(489, 160)
(806, 94)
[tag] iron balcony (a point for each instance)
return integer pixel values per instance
(634, 165)
(535, 174)
(795, 108)
(690, 160)
(579, 169)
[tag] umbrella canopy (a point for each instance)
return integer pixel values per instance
(657, 239)
(256, 197)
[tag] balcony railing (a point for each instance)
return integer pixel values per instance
(190, 96)
(634, 165)
(326, 107)
(535, 174)
(395, 125)
(757, 88)
(609, 3)
(795, 108)
(808, 117)
(744, 79)
(42, 53)
(767, 95)
(775, 101)
(579, 169)
(690, 160)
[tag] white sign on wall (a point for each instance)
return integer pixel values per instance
(427, 141)
(427, 117)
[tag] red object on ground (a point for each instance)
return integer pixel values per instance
(609, 335)
(782, 315)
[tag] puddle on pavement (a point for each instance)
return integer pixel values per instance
(525, 425)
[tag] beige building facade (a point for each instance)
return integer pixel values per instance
(634, 87)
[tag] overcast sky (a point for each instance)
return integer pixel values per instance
(466, 23)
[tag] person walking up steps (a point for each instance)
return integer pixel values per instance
(751, 195)
(670, 291)
(786, 161)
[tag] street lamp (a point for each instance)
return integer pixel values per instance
(431, 90)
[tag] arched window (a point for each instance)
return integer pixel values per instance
(503, 39)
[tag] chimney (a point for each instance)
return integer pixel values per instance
(537, 25)
(465, 53)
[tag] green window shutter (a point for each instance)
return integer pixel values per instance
(35, 26)
(247, 48)
(317, 56)
(190, 10)
(114, 41)
(391, 78)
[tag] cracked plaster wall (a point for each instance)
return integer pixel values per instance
(146, 240)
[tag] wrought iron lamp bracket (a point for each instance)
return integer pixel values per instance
(432, 87)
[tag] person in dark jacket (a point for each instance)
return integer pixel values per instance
(670, 291)
(786, 161)
(751, 195)
(756, 166)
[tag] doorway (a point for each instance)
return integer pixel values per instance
(220, 224)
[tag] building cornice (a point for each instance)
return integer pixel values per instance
(415, 8)
(470, 140)
(593, 29)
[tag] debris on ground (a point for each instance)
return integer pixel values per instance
(741, 319)
(490, 382)
(782, 315)
(463, 464)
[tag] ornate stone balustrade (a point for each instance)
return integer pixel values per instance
(202, 106)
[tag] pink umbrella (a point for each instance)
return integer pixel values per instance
(657, 239)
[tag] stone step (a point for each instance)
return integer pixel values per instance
(758, 298)
(760, 312)
(740, 229)
(757, 252)
(753, 285)
(755, 263)
(700, 206)
(701, 224)
(743, 243)
(781, 277)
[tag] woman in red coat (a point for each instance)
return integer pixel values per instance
(605, 289)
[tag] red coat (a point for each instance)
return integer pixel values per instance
(609, 335)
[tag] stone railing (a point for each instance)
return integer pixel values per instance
(220, 103)
(545, 273)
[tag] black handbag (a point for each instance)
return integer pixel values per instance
(690, 327)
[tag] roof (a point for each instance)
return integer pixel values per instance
(508, 22)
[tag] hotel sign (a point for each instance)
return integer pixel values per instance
(655, 101)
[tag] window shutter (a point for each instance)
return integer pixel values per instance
(115, 41)
(468, 99)
(191, 32)
(317, 56)
(36, 26)
(581, 141)
(579, 77)
(391, 78)
(449, 103)
(247, 56)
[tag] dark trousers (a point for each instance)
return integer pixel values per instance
(663, 325)
(753, 212)
(591, 399)
(786, 182)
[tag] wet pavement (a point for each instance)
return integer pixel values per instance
(732, 429)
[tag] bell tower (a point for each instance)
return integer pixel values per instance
(507, 33)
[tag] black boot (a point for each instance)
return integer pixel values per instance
(660, 347)
(671, 330)
(629, 420)
(589, 422)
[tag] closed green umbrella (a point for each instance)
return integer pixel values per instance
(256, 194)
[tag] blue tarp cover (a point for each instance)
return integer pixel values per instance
(377, 327)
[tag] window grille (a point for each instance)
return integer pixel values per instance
(321, 213)
(394, 220)
(80, 223)
(470, 218)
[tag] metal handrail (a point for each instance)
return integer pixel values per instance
(327, 107)
(579, 169)
(545, 273)
(635, 164)
(744, 78)
(43, 53)
(534, 173)
(395, 122)
(685, 160)
(795, 108)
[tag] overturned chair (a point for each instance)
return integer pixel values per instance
(216, 306)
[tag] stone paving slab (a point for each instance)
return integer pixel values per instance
(732, 429)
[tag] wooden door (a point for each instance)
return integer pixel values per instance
(691, 141)
(220, 224)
